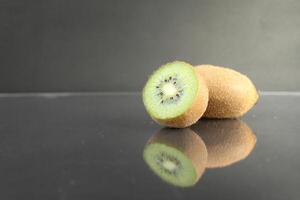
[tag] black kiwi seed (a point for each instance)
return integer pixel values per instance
(175, 82)
(170, 77)
(177, 95)
(171, 98)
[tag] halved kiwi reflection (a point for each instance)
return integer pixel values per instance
(227, 141)
(178, 156)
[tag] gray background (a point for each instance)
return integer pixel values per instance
(72, 45)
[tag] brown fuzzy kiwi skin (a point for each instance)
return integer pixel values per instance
(227, 141)
(186, 141)
(194, 113)
(231, 94)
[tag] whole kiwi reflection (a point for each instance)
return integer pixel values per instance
(227, 141)
(180, 156)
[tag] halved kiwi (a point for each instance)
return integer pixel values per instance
(231, 94)
(227, 141)
(177, 156)
(175, 95)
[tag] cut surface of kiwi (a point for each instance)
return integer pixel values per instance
(227, 141)
(174, 95)
(177, 156)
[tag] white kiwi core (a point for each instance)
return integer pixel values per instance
(169, 89)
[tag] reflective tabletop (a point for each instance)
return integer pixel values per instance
(105, 146)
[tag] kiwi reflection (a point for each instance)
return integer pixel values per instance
(227, 141)
(180, 156)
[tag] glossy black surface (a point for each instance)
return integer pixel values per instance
(91, 147)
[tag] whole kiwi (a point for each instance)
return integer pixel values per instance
(231, 94)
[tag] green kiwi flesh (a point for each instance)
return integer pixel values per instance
(172, 92)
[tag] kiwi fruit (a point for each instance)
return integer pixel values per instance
(175, 95)
(231, 94)
(177, 156)
(227, 141)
